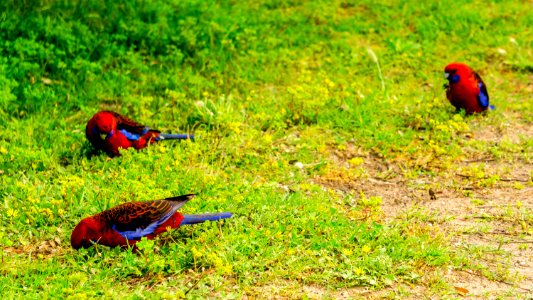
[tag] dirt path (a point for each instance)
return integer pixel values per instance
(491, 214)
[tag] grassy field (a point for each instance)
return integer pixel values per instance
(324, 127)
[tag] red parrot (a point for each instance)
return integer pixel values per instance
(466, 89)
(126, 224)
(109, 131)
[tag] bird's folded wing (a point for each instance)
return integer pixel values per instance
(128, 124)
(136, 219)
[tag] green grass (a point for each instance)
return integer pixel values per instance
(265, 84)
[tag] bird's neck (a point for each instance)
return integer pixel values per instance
(103, 220)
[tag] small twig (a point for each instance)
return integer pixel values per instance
(501, 241)
(195, 284)
(486, 177)
(518, 242)
(463, 175)
(376, 181)
(493, 217)
(514, 179)
(502, 233)
(505, 205)
(500, 281)
(478, 160)
(489, 206)
(490, 232)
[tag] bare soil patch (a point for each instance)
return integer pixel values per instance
(493, 216)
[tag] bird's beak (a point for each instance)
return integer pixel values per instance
(106, 136)
(446, 75)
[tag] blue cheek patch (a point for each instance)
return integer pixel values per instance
(455, 78)
(482, 98)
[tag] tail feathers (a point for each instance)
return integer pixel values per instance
(194, 219)
(186, 197)
(179, 201)
(172, 136)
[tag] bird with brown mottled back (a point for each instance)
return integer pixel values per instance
(126, 224)
(109, 131)
(465, 89)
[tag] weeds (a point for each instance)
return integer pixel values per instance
(294, 112)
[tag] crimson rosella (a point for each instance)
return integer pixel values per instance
(465, 89)
(126, 224)
(109, 131)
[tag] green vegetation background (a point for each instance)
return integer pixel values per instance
(265, 84)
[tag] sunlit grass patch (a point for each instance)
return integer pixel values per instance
(297, 106)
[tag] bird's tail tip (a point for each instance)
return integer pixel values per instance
(175, 136)
(194, 219)
(181, 197)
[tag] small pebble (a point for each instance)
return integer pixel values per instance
(502, 51)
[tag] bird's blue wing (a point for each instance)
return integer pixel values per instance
(133, 136)
(134, 220)
(140, 232)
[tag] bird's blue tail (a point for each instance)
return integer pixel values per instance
(194, 219)
(172, 136)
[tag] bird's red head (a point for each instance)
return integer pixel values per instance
(454, 71)
(87, 232)
(105, 121)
